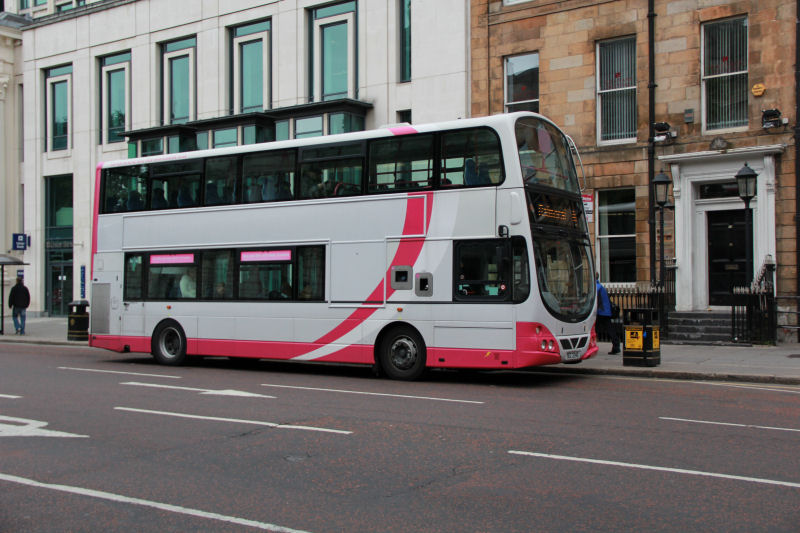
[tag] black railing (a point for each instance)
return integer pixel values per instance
(754, 309)
(660, 297)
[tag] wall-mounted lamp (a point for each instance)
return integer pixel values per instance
(771, 118)
(664, 132)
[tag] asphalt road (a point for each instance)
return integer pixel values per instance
(96, 441)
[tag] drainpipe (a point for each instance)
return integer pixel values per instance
(797, 150)
(651, 119)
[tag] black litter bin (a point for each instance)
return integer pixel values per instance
(642, 346)
(78, 325)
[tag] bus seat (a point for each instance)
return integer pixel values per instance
(470, 174)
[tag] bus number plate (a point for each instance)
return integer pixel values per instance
(573, 355)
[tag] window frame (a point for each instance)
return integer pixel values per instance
(266, 76)
(509, 103)
(51, 81)
(105, 72)
(601, 92)
(317, 26)
(166, 82)
(604, 271)
(703, 78)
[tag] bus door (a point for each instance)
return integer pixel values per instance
(129, 300)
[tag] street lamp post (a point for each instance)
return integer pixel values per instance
(746, 181)
(661, 185)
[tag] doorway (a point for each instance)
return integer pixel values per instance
(59, 288)
(727, 257)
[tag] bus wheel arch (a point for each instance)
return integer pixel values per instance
(400, 352)
(168, 344)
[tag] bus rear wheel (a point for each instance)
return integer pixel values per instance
(402, 354)
(169, 344)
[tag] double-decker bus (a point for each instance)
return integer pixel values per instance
(459, 244)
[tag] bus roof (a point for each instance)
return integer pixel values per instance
(497, 121)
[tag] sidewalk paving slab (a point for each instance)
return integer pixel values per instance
(740, 363)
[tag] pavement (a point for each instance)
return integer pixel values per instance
(711, 362)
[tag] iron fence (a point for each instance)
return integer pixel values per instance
(659, 297)
(754, 309)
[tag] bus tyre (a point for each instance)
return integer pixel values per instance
(402, 354)
(169, 344)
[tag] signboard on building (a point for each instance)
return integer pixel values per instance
(20, 241)
(588, 207)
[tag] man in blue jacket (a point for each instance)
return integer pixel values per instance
(603, 325)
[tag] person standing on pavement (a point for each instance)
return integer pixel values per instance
(604, 325)
(18, 300)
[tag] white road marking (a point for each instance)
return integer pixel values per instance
(236, 421)
(10, 396)
(23, 427)
(373, 394)
(225, 392)
(726, 424)
(118, 372)
(775, 388)
(658, 468)
(147, 503)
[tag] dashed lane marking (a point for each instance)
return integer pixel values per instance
(658, 468)
(109, 496)
(235, 420)
(374, 394)
(753, 426)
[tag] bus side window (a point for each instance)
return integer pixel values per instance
(481, 270)
(124, 189)
(311, 273)
(471, 158)
(401, 163)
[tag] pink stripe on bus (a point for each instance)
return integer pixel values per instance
(403, 130)
(407, 253)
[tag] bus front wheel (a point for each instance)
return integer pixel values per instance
(169, 344)
(402, 354)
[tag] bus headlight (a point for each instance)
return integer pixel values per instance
(544, 345)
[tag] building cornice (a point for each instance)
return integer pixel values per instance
(769, 149)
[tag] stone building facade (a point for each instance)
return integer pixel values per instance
(722, 71)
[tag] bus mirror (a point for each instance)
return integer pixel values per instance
(502, 231)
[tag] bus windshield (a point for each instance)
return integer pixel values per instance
(544, 155)
(564, 270)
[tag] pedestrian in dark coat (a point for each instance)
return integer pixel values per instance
(18, 300)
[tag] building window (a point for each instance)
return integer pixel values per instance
(152, 147)
(522, 83)
(616, 90)
(116, 105)
(344, 123)
(405, 40)
(58, 104)
(225, 137)
(725, 73)
(308, 127)
(24, 4)
(179, 81)
(404, 115)
(616, 235)
(251, 76)
(333, 51)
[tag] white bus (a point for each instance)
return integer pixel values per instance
(460, 244)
